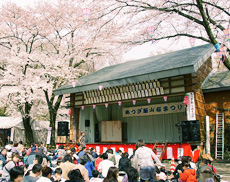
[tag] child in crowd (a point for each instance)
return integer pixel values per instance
(95, 177)
(57, 175)
(189, 174)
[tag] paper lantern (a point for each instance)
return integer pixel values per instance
(86, 15)
(150, 31)
(106, 105)
(192, 41)
(119, 103)
(94, 106)
(100, 87)
(134, 102)
(70, 112)
(74, 83)
(82, 108)
(227, 34)
(165, 98)
(149, 100)
(186, 100)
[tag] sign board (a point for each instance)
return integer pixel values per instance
(156, 109)
(111, 131)
(191, 112)
(49, 136)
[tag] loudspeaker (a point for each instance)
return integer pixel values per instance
(63, 128)
(87, 123)
(190, 131)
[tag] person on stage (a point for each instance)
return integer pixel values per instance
(82, 139)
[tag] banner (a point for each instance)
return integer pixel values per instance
(191, 112)
(156, 109)
(49, 136)
(12, 134)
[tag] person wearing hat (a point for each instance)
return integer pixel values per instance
(31, 157)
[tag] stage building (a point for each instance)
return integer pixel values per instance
(142, 99)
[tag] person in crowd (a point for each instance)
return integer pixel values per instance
(3, 157)
(82, 139)
(83, 170)
(20, 147)
(9, 151)
(95, 177)
(46, 174)
(34, 174)
(118, 155)
(124, 162)
(189, 174)
(66, 166)
(132, 158)
(31, 156)
(10, 165)
(105, 165)
(41, 149)
(112, 175)
(179, 167)
(75, 176)
(81, 153)
(14, 148)
(9, 146)
(87, 156)
(144, 156)
(33, 145)
(88, 163)
(131, 176)
(57, 175)
(59, 161)
(37, 160)
(111, 156)
(97, 161)
(192, 164)
(61, 151)
(93, 153)
(16, 174)
(209, 160)
(204, 171)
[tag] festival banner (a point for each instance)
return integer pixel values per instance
(191, 112)
(49, 136)
(166, 108)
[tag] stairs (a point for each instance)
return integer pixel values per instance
(219, 152)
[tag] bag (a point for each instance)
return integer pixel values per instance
(217, 178)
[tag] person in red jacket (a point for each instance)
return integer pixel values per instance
(189, 174)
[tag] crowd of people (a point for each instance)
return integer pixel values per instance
(18, 164)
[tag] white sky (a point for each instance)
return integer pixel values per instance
(138, 52)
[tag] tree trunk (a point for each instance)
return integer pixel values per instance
(28, 130)
(53, 113)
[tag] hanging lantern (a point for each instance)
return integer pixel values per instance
(100, 87)
(192, 41)
(74, 83)
(70, 112)
(150, 31)
(82, 108)
(149, 100)
(165, 98)
(134, 102)
(119, 103)
(94, 107)
(86, 15)
(106, 105)
(186, 100)
(227, 34)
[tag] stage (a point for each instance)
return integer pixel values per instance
(172, 151)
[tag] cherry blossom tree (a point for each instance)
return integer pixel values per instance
(45, 47)
(199, 19)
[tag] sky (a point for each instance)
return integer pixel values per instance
(138, 52)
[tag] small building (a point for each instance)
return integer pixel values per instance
(143, 99)
(216, 90)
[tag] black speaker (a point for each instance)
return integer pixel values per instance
(63, 128)
(190, 131)
(87, 123)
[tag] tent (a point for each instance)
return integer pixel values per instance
(12, 128)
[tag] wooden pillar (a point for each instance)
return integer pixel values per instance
(76, 120)
(72, 104)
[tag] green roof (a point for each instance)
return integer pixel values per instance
(161, 66)
(217, 82)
